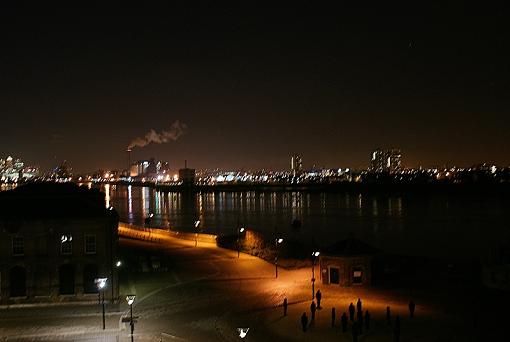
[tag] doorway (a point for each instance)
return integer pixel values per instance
(334, 275)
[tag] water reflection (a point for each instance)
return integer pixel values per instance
(107, 195)
(130, 204)
(377, 219)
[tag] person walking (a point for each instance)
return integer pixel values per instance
(304, 321)
(313, 308)
(360, 321)
(285, 306)
(358, 305)
(333, 317)
(388, 315)
(351, 312)
(412, 306)
(367, 319)
(343, 319)
(318, 296)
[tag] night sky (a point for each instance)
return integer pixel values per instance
(254, 85)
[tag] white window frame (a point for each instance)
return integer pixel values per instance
(67, 243)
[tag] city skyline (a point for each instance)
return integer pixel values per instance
(249, 87)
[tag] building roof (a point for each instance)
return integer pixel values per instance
(51, 200)
(350, 247)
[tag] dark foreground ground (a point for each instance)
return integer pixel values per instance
(205, 293)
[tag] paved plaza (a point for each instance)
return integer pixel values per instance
(205, 293)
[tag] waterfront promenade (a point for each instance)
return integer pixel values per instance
(205, 293)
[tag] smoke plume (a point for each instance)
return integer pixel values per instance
(176, 130)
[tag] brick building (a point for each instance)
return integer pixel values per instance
(347, 263)
(55, 239)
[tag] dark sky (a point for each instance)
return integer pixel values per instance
(255, 85)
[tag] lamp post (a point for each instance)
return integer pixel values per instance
(314, 255)
(130, 300)
(239, 231)
(277, 241)
(101, 284)
(148, 219)
(197, 223)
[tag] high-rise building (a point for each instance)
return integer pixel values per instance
(388, 160)
(14, 170)
(296, 164)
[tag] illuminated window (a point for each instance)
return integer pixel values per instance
(90, 244)
(18, 245)
(357, 276)
(66, 244)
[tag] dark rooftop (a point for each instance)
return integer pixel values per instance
(51, 200)
(350, 247)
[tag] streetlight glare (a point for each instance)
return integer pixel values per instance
(130, 299)
(316, 254)
(243, 332)
(280, 240)
(197, 223)
(100, 282)
(118, 263)
(241, 230)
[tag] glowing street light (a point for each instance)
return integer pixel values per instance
(101, 284)
(243, 332)
(118, 263)
(277, 241)
(314, 255)
(239, 231)
(130, 300)
(197, 223)
(148, 219)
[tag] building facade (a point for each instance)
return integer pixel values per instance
(296, 164)
(347, 263)
(389, 160)
(55, 240)
(187, 176)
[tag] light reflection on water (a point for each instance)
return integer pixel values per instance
(421, 225)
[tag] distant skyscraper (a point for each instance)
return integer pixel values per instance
(386, 160)
(296, 164)
(13, 170)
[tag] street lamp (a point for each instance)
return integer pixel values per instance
(314, 255)
(101, 284)
(239, 231)
(130, 300)
(277, 241)
(197, 223)
(148, 219)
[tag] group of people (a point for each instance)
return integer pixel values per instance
(358, 318)
(313, 308)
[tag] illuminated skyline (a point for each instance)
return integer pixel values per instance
(254, 86)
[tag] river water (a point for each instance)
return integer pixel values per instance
(450, 226)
